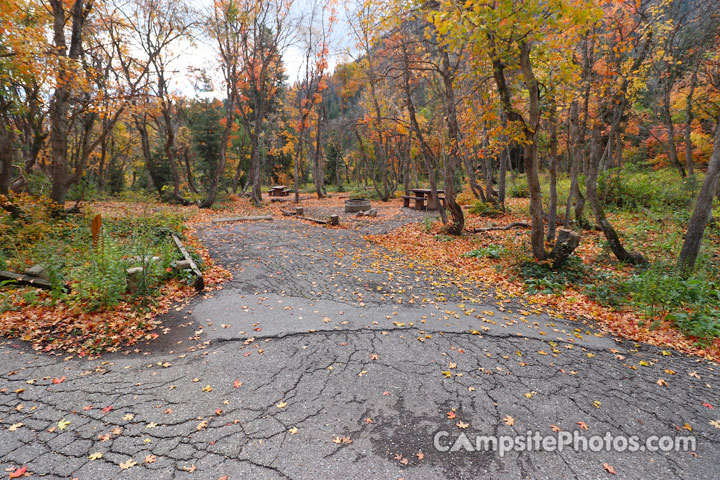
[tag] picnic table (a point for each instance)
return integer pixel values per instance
(423, 199)
(278, 191)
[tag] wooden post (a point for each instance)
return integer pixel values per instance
(299, 211)
(334, 220)
(95, 227)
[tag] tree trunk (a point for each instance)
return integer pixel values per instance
(458, 223)
(531, 161)
(552, 214)
(502, 176)
(689, 116)
(60, 103)
(427, 153)
(222, 155)
(591, 186)
(318, 174)
(670, 127)
(703, 210)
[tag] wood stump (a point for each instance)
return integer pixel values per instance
(565, 244)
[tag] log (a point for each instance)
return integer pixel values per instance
(316, 220)
(17, 279)
(506, 227)
(199, 280)
(242, 219)
(287, 213)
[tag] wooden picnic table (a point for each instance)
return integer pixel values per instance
(278, 191)
(424, 199)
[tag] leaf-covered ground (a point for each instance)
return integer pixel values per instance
(433, 247)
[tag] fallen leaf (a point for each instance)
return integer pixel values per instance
(62, 424)
(554, 428)
(609, 468)
(58, 380)
(293, 430)
(207, 388)
(582, 425)
(237, 383)
(107, 409)
(15, 426)
(715, 423)
(150, 459)
(129, 463)
(202, 425)
(95, 456)
(128, 417)
(281, 404)
(19, 472)
(509, 421)
(462, 425)
(662, 382)
(451, 414)
(705, 404)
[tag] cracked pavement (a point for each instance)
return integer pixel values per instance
(328, 357)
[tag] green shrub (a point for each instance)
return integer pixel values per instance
(634, 191)
(486, 209)
(542, 278)
(519, 188)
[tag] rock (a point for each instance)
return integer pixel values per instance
(38, 270)
(372, 212)
(134, 279)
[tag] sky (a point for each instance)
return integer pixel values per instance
(202, 54)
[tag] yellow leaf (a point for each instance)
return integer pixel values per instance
(282, 404)
(95, 456)
(62, 424)
(129, 463)
(207, 388)
(293, 430)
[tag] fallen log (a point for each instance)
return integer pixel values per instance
(506, 227)
(17, 279)
(199, 280)
(242, 219)
(316, 220)
(287, 213)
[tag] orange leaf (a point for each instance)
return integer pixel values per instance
(19, 472)
(58, 380)
(609, 468)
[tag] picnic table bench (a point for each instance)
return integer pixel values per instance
(278, 191)
(424, 199)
